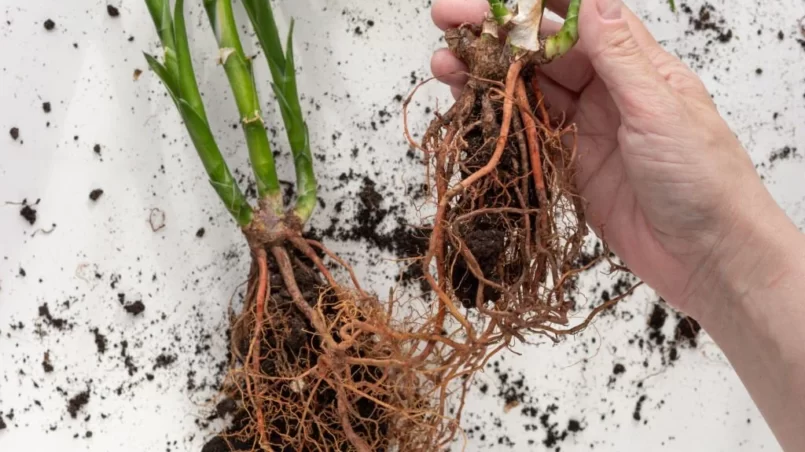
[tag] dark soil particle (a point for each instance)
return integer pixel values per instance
(658, 317)
(574, 426)
(688, 329)
(2, 423)
(619, 369)
(704, 21)
(225, 407)
(639, 407)
(783, 154)
(50, 25)
(200, 233)
(75, 404)
(100, 341)
(29, 213)
(44, 311)
(113, 12)
(127, 360)
(164, 361)
(46, 107)
(217, 444)
(135, 308)
(673, 354)
(14, 132)
(404, 241)
(46, 364)
(97, 149)
(95, 194)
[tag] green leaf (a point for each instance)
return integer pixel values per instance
(241, 80)
(217, 169)
(265, 26)
(500, 12)
(164, 75)
(188, 88)
(298, 134)
(209, 6)
(672, 4)
(161, 15)
(178, 76)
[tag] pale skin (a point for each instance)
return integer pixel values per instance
(674, 193)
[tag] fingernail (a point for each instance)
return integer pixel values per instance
(610, 9)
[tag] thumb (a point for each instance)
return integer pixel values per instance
(635, 84)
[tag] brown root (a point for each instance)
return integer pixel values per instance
(322, 366)
(509, 226)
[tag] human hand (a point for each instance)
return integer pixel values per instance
(666, 182)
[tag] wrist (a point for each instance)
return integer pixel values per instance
(759, 252)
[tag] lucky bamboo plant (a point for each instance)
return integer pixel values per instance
(311, 365)
(317, 365)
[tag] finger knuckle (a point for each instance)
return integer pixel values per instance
(620, 43)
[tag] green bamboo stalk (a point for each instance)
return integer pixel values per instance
(283, 74)
(161, 15)
(500, 12)
(180, 82)
(187, 77)
(567, 36)
(241, 79)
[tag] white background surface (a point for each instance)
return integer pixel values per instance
(185, 282)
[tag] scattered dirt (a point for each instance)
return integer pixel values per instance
(514, 392)
(226, 406)
(50, 25)
(639, 407)
(200, 233)
(46, 107)
(135, 308)
(687, 330)
(164, 361)
(29, 213)
(127, 359)
(785, 153)
(75, 404)
(95, 194)
(15, 133)
(100, 341)
(97, 149)
(705, 20)
(46, 364)
(367, 226)
(2, 422)
(112, 11)
(44, 311)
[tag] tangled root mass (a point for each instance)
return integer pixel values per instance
(322, 366)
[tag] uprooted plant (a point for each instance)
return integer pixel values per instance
(317, 365)
(322, 365)
(506, 241)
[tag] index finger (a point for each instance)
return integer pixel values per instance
(452, 13)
